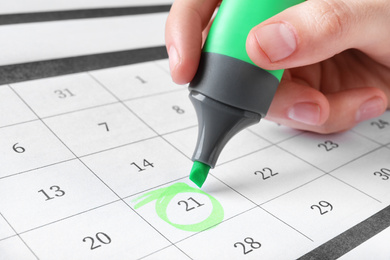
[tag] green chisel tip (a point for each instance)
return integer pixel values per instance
(199, 173)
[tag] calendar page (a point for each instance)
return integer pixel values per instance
(94, 164)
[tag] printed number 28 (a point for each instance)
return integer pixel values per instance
(248, 245)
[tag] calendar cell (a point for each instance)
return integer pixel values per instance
(377, 129)
(12, 108)
(28, 146)
(166, 112)
(240, 145)
(57, 95)
(274, 132)
(323, 208)
(14, 248)
(370, 174)
(180, 209)
(328, 152)
(98, 129)
(134, 168)
(267, 174)
(252, 235)
(50, 194)
(110, 232)
(134, 81)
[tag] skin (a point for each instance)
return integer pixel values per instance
(336, 54)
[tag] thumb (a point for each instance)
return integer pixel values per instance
(316, 30)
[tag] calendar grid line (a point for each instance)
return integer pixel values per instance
(367, 137)
(68, 217)
(257, 205)
(294, 189)
(157, 251)
(298, 157)
(130, 110)
(96, 207)
(92, 167)
(122, 200)
(19, 123)
(278, 142)
(18, 235)
(93, 107)
(93, 153)
(37, 168)
(242, 156)
(223, 221)
(287, 224)
(141, 119)
(355, 188)
(120, 101)
(358, 157)
(117, 195)
(151, 95)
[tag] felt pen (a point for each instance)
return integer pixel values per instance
(229, 92)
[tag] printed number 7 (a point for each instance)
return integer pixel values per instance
(106, 125)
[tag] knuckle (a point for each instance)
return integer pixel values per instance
(332, 17)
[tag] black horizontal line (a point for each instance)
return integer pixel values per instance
(80, 14)
(56, 67)
(351, 238)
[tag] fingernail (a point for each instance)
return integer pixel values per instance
(277, 40)
(174, 58)
(371, 108)
(307, 113)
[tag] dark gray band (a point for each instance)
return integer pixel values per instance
(235, 82)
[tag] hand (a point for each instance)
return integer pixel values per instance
(336, 54)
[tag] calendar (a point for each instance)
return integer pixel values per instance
(95, 165)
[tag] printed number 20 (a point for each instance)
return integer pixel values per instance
(101, 237)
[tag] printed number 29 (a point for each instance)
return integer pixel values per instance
(323, 207)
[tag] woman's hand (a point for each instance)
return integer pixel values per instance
(336, 54)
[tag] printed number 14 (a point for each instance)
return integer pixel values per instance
(146, 163)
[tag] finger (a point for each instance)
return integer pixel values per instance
(317, 30)
(298, 105)
(335, 112)
(183, 36)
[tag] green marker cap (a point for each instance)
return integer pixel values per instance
(199, 173)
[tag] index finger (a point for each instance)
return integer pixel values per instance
(183, 36)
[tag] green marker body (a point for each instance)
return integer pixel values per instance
(229, 92)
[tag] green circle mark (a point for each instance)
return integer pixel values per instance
(163, 197)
